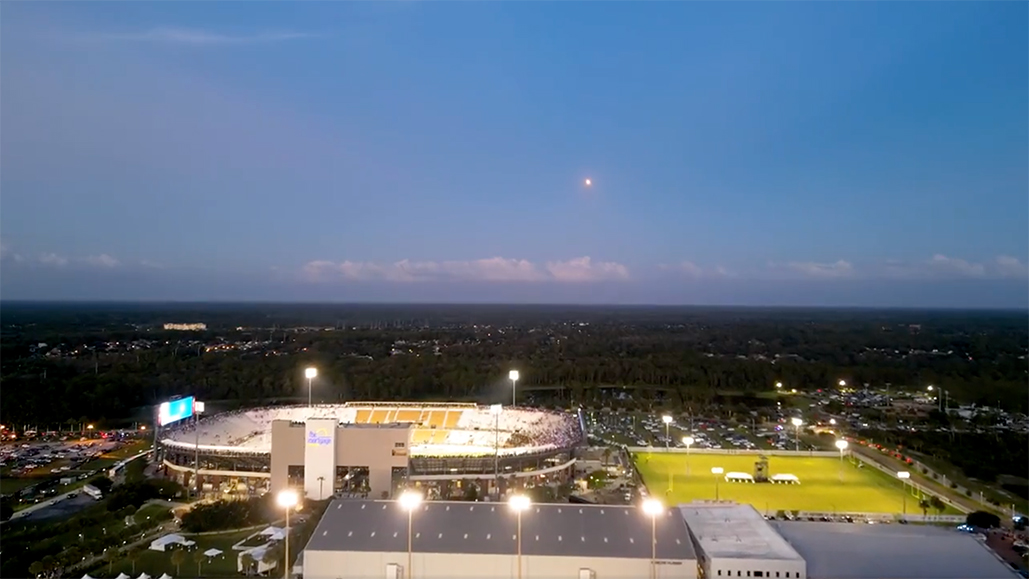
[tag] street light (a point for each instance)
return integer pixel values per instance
(495, 410)
(843, 383)
(409, 501)
(311, 373)
(796, 423)
(842, 445)
(519, 503)
(653, 508)
(716, 470)
(513, 377)
(904, 476)
(832, 421)
(778, 384)
(688, 441)
(287, 499)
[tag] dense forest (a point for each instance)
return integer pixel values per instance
(678, 355)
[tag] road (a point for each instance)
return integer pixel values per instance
(61, 503)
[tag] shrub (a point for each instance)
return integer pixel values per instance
(223, 514)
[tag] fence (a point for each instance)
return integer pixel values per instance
(923, 489)
(740, 451)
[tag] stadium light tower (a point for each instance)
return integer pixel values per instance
(287, 499)
(653, 508)
(717, 471)
(688, 441)
(519, 503)
(842, 445)
(310, 373)
(796, 425)
(513, 377)
(409, 501)
(904, 476)
(495, 410)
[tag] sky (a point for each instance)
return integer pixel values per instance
(787, 153)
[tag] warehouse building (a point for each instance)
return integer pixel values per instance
(733, 540)
(359, 539)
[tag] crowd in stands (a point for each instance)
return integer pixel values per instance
(476, 431)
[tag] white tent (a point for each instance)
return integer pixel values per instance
(785, 478)
(123, 576)
(172, 539)
(258, 554)
(738, 477)
(165, 576)
(271, 531)
(143, 576)
(86, 576)
(213, 552)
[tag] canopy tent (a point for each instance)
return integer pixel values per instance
(86, 576)
(165, 576)
(785, 478)
(123, 576)
(271, 531)
(213, 552)
(143, 576)
(738, 477)
(172, 539)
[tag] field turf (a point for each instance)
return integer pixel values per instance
(861, 490)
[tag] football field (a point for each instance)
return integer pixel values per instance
(825, 485)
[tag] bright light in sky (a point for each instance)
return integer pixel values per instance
(589, 182)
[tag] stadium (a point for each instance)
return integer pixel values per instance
(371, 448)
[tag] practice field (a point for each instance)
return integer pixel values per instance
(861, 490)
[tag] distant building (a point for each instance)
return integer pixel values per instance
(196, 327)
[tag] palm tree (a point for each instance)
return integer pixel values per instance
(924, 504)
(110, 554)
(199, 558)
(133, 556)
(937, 504)
(607, 455)
(178, 557)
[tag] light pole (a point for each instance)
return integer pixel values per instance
(668, 421)
(495, 410)
(310, 374)
(717, 471)
(409, 501)
(198, 409)
(796, 423)
(842, 445)
(513, 377)
(287, 499)
(688, 441)
(519, 503)
(653, 508)
(904, 476)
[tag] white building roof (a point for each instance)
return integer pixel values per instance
(733, 531)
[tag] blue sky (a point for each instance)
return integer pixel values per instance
(775, 153)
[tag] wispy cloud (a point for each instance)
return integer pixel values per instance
(102, 260)
(495, 269)
(198, 37)
(813, 269)
(53, 259)
(690, 269)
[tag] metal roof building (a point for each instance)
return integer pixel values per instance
(848, 551)
(734, 540)
(368, 539)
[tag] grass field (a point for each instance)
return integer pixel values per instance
(861, 490)
(155, 563)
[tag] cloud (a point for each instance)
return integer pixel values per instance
(102, 260)
(7, 253)
(960, 267)
(1011, 267)
(494, 269)
(838, 269)
(690, 269)
(197, 37)
(53, 259)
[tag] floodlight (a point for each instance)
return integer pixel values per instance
(930, 388)
(311, 372)
(409, 500)
(688, 440)
(717, 470)
(843, 382)
(287, 498)
(903, 474)
(666, 419)
(778, 384)
(653, 507)
(796, 421)
(832, 421)
(519, 503)
(841, 444)
(495, 409)
(513, 375)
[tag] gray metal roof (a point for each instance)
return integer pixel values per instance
(735, 531)
(490, 528)
(861, 551)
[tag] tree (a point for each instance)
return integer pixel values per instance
(937, 504)
(133, 556)
(199, 558)
(607, 455)
(37, 568)
(178, 557)
(247, 560)
(924, 504)
(110, 555)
